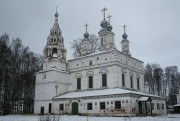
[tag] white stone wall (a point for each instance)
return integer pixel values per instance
(159, 111)
(127, 104)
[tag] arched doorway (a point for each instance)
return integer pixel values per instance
(74, 108)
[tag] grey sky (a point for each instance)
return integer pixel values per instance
(153, 25)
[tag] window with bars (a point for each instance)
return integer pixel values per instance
(61, 107)
(78, 83)
(90, 81)
(102, 105)
(89, 106)
(117, 104)
(104, 80)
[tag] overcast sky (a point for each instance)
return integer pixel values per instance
(153, 26)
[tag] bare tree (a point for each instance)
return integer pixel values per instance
(76, 45)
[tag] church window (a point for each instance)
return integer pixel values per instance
(104, 80)
(102, 105)
(126, 101)
(90, 62)
(122, 101)
(89, 106)
(54, 52)
(101, 42)
(107, 103)
(78, 83)
(50, 107)
(97, 58)
(152, 106)
(157, 106)
(90, 81)
(55, 32)
(111, 102)
(162, 106)
(123, 80)
(117, 104)
(61, 107)
(95, 103)
(131, 79)
(137, 83)
(77, 64)
(105, 59)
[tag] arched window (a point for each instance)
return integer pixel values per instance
(54, 52)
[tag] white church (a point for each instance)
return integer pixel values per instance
(108, 82)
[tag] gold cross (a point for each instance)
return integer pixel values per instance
(86, 25)
(109, 17)
(124, 28)
(104, 11)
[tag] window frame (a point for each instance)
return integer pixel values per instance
(102, 105)
(78, 81)
(104, 80)
(90, 82)
(89, 106)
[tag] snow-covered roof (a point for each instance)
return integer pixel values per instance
(176, 105)
(100, 92)
(143, 98)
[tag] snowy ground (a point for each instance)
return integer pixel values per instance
(174, 117)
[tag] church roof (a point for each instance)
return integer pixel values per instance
(100, 92)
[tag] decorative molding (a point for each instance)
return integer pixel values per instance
(78, 75)
(103, 71)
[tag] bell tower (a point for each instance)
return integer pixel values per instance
(105, 34)
(54, 52)
(86, 45)
(125, 43)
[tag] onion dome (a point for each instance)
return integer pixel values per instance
(56, 14)
(86, 35)
(109, 27)
(124, 36)
(104, 24)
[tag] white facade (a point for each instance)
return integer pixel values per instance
(108, 82)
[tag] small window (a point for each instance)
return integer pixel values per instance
(77, 64)
(117, 104)
(78, 83)
(122, 101)
(126, 101)
(107, 103)
(131, 79)
(105, 59)
(104, 80)
(137, 83)
(90, 62)
(157, 106)
(61, 107)
(123, 80)
(162, 106)
(152, 106)
(102, 105)
(97, 58)
(95, 103)
(89, 106)
(90, 81)
(111, 102)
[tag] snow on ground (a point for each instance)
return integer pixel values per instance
(174, 117)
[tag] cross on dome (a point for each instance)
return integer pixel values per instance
(124, 28)
(109, 17)
(104, 12)
(86, 25)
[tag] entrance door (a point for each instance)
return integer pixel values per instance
(140, 107)
(74, 108)
(42, 110)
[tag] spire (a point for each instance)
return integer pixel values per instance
(56, 14)
(124, 36)
(104, 12)
(86, 35)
